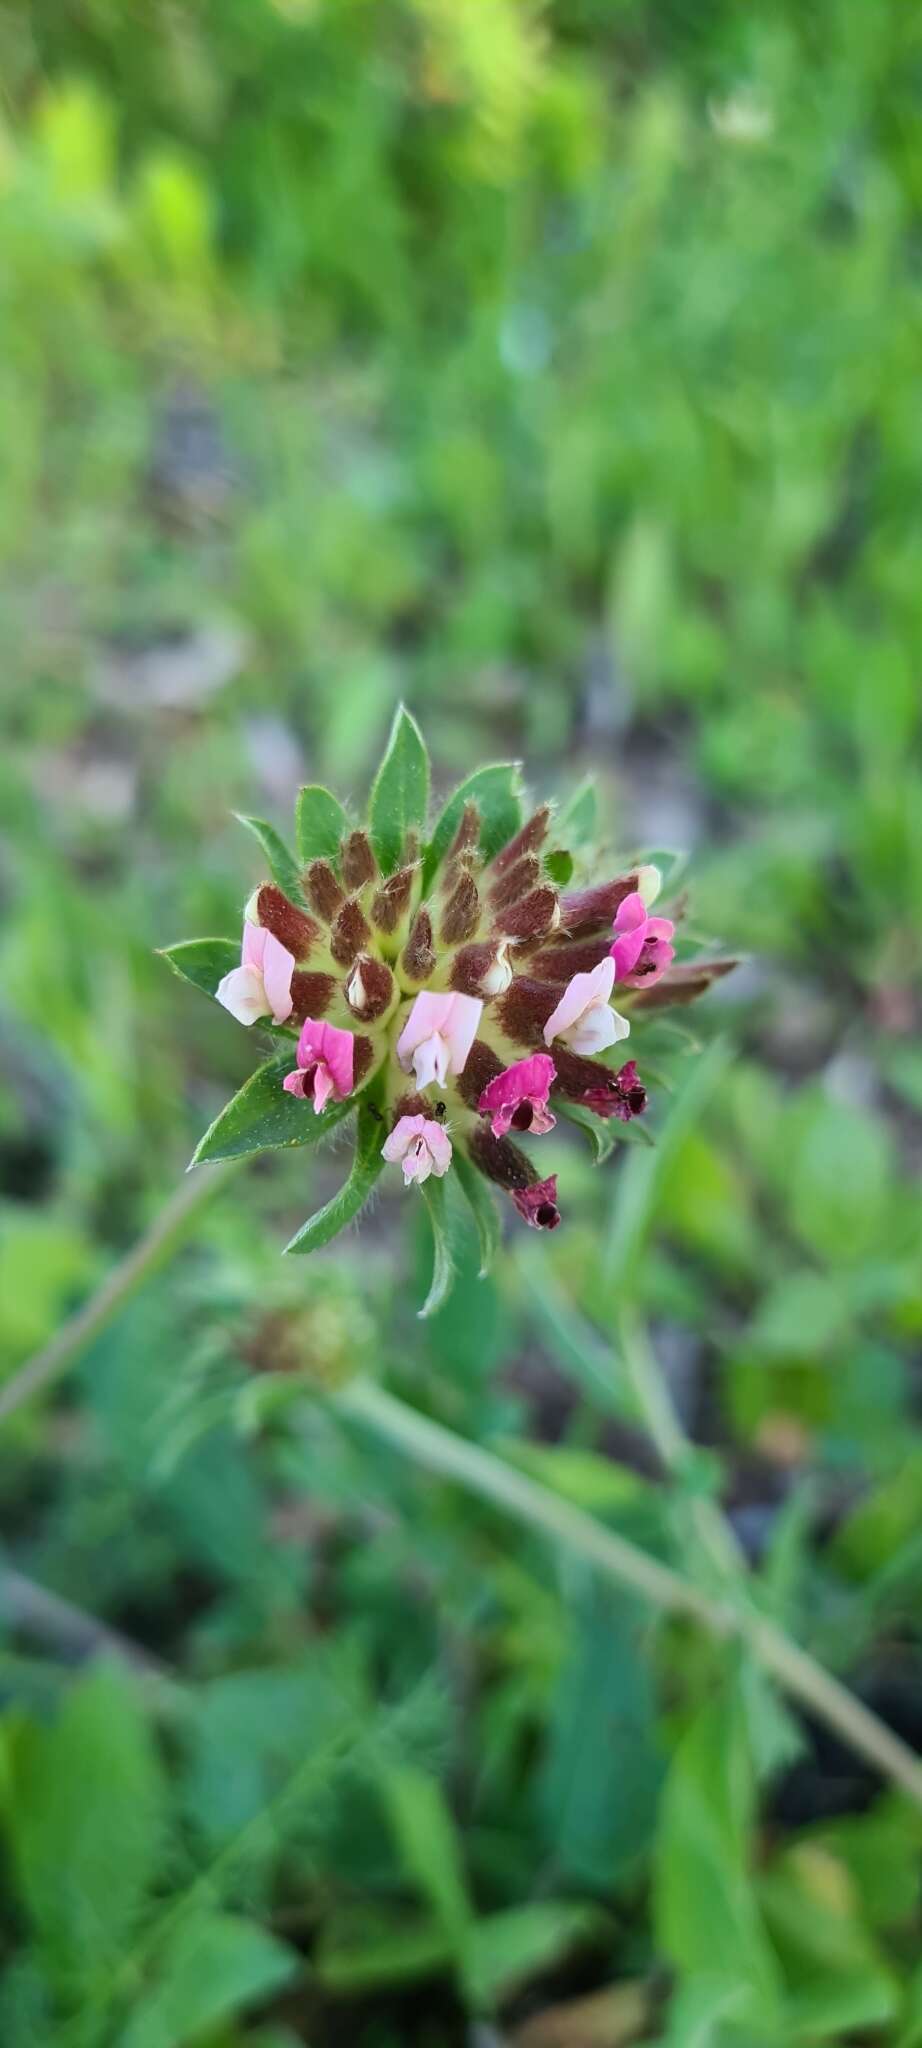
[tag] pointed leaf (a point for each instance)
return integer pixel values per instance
(497, 792)
(213, 1967)
(85, 1821)
(261, 1117)
(204, 962)
(321, 1228)
(427, 1839)
(282, 865)
(578, 822)
(443, 1268)
(321, 823)
(400, 792)
(479, 1194)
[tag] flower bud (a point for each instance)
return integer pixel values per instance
(323, 891)
(392, 900)
(350, 933)
(311, 995)
(524, 1010)
(357, 862)
(461, 915)
(533, 918)
(592, 910)
(516, 882)
(528, 840)
(561, 960)
(371, 987)
(482, 969)
(291, 926)
(418, 957)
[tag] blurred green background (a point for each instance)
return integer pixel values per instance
(556, 368)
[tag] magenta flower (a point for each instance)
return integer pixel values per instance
(583, 1017)
(326, 1064)
(623, 1096)
(420, 1146)
(642, 949)
(517, 1098)
(538, 1203)
(261, 985)
(438, 1035)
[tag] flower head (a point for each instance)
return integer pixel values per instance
(643, 945)
(517, 1098)
(583, 1018)
(420, 1146)
(326, 1064)
(438, 1035)
(261, 985)
(441, 981)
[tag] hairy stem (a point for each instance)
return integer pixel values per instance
(482, 1473)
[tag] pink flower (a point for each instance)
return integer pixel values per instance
(438, 1035)
(261, 985)
(420, 1146)
(538, 1204)
(622, 1095)
(642, 949)
(517, 1098)
(325, 1064)
(583, 1018)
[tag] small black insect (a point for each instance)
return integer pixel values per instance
(375, 1112)
(440, 1109)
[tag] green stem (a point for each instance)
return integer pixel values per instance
(656, 1406)
(490, 1478)
(158, 1243)
(482, 1473)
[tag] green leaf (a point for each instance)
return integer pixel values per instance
(707, 1919)
(480, 1197)
(204, 962)
(426, 1838)
(400, 792)
(836, 1973)
(840, 1183)
(320, 823)
(497, 792)
(598, 1817)
(559, 866)
(362, 1951)
(444, 1262)
(578, 823)
(321, 1228)
(261, 1118)
(282, 865)
(506, 1949)
(600, 1132)
(214, 1966)
(85, 1822)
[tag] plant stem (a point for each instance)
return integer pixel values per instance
(656, 1406)
(491, 1478)
(482, 1473)
(157, 1243)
